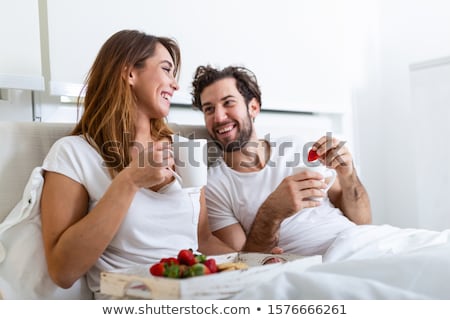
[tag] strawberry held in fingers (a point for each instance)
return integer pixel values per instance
(312, 155)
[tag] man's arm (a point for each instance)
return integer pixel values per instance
(264, 234)
(347, 192)
(233, 236)
(208, 243)
(349, 195)
(291, 196)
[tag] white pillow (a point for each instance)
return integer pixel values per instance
(23, 267)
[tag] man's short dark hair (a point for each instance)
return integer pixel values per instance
(246, 82)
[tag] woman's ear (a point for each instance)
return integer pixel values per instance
(128, 74)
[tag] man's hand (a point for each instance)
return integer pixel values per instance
(334, 154)
(289, 197)
(277, 250)
(293, 194)
(347, 193)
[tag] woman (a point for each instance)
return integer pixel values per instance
(109, 199)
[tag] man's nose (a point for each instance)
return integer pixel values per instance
(219, 114)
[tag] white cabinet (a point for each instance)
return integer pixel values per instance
(20, 46)
(295, 47)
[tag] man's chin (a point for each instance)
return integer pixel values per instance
(233, 146)
(230, 146)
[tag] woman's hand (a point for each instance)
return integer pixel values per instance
(149, 166)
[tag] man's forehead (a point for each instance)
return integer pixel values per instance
(220, 89)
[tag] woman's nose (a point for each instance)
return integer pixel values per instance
(174, 84)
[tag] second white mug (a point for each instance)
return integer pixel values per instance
(326, 172)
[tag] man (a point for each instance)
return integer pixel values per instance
(254, 201)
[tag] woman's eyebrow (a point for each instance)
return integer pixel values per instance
(168, 62)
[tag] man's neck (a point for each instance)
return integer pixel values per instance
(252, 157)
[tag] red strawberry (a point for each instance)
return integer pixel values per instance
(158, 269)
(186, 256)
(312, 155)
(198, 269)
(183, 271)
(211, 264)
(172, 271)
(170, 261)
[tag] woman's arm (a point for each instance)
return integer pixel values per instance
(73, 239)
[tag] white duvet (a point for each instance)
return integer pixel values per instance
(368, 262)
(365, 262)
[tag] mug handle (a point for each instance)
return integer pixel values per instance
(332, 174)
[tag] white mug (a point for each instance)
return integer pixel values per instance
(190, 156)
(324, 171)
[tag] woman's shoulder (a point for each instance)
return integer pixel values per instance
(67, 141)
(71, 145)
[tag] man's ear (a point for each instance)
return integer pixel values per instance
(254, 108)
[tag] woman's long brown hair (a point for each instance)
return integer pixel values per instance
(108, 119)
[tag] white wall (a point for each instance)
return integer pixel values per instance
(430, 88)
(409, 32)
(297, 48)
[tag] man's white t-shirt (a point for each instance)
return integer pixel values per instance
(158, 224)
(235, 197)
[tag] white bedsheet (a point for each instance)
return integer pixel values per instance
(369, 262)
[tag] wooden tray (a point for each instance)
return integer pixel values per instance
(138, 283)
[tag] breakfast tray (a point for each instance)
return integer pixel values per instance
(138, 283)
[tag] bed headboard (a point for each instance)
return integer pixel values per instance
(25, 145)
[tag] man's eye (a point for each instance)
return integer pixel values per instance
(208, 110)
(228, 103)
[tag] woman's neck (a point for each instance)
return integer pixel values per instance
(143, 129)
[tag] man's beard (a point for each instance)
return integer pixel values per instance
(245, 133)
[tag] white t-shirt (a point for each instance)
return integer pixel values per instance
(235, 197)
(158, 224)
